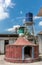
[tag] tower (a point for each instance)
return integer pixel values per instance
(29, 25)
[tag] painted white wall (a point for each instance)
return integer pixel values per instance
(1, 46)
(40, 43)
(2, 42)
(11, 41)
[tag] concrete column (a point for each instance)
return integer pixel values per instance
(1, 46)
(32, 52)
(22, 53)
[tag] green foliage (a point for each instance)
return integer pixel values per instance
(27, 33)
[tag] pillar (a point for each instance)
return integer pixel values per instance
(32, 52)
(23, 53)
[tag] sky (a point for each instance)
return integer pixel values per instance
(12, 14)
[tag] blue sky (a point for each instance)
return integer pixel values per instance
(12, 10)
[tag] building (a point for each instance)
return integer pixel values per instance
(40, 42)
(6, 39)
(22, 51)
(40, 12)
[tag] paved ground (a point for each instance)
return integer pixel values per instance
(3, 62)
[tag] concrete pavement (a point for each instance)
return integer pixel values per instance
(3, 62)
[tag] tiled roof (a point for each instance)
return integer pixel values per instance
(40, 33)
(40, 12)
(23, 41)
(9, 35)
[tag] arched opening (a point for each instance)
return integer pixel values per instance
(27, 52)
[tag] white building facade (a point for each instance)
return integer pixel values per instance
(40, 42)
(6, 39)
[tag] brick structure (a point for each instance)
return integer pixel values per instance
(22, 51)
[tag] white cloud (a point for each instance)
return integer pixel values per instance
(23, 20)
(16, 26)
(40, 23)
(36, 17)
(13, 29)
(4, 15)
(21, 12)
(4, 4)
(8, 3)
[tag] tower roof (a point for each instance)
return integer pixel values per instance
(23, 41)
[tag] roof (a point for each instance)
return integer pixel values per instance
(23, 41)
(21, 27)
(40, 12)
(9, 35)
(40, 33)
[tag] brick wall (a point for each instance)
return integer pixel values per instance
(36, 51)
(13, 52)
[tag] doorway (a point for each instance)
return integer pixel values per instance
(6, 43)
(27, 52)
